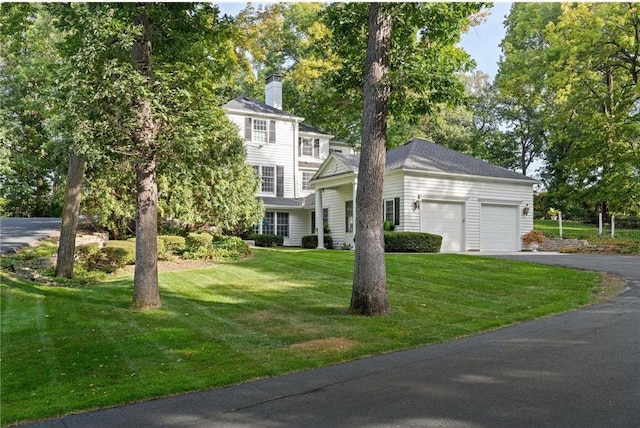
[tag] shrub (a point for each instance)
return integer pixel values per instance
(173, 244)
(234, 247)
(388, 226)
(194, 241)
(86, 251)
(114, 255)
(267, 240)
(311, 241)
(411, 242)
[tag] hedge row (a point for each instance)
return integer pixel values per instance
(311, 241)
(267, 240)
(411, 242)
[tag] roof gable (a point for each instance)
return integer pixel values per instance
(337, 164)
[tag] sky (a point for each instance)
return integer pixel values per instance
(481, 42)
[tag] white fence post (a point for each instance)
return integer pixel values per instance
(613, 226)
(600, 224)
(560, 223)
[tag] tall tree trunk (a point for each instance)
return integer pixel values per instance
(70, 213)
(145, 284)
(369, 293)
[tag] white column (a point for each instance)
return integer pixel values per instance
(355, 191)
(319, 219)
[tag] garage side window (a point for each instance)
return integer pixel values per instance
(392, 210)
(348, 216)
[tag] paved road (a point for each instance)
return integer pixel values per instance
(16, 233)
(580, 369)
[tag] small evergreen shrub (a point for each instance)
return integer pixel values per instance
(311, 241)
(266, 240)
(114, 255)
(411, 242)
(230, 247)
(195, 241)
(86, 251)
(388, 226)
(173, 244)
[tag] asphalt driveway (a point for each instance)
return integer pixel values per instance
(18, 232)
(580, 369)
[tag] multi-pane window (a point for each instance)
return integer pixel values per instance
(268, 223)
(267, 176)
(306, 146)
(282, 225)
(306, 180)
(274, 223)
(388, 210)
(260, 134)
(392, 210)
(348, 216)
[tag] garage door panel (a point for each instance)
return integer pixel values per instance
(498, 228)
(444, 219)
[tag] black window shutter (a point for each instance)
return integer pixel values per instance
(280, 181)
(313, 222)
(299, 146)
(316, 148)
(247, 129)
(396, 211)
(272, 132)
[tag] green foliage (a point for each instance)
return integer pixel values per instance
(173, 244)
(196, 241)
(219, 248)
(267, 240)
(411, 242)
(388, 226)
(30, 160)
(311, 241)
(113, 256)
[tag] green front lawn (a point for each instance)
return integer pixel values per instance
(71, 349)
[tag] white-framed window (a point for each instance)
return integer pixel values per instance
(274, 223)
(388, 210)
(260, 130)
(282, 224)
(306, 146)
(392, 211)
(306, 180)
(267, 176)
(348, 216)
(260, 133)
(309, 147)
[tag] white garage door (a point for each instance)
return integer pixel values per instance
(444, 219)
(498, 228)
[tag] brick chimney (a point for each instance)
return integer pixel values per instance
(273, 91)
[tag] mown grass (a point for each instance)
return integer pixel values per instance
(72, 349)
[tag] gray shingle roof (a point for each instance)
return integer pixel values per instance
(422, 155)
(250, 105)
(310, 129)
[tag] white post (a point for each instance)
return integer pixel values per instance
(319, 219)
(355, 191)
(600, 224)
(613, 226)
(560, 223)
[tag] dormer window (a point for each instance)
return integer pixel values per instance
(260, 130)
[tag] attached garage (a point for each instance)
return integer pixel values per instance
(472, 204)
(444, 219)
(498, 228)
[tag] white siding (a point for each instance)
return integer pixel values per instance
(335, 199)
(281, 153)
(472, 192)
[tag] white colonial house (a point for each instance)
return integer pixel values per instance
(286, 154)
(474, 205)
